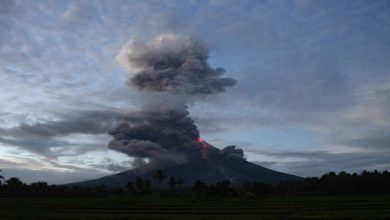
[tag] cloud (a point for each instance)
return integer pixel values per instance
(161, 134)
(172, 63)
(51, 176)
(115, 166)
(44, 137)
(6, 6)
(36, 145)
(175, 69)
(85, 122)
(80, 15)
(4, 163)
(316, 163)
(233, 152)
(364, 124)
(371, 141)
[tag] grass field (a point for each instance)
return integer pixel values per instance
(124, 207)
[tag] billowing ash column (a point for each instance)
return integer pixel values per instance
(170, 72)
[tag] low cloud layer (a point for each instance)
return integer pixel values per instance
(315, 163)
(84, 122)
(364, 125)
(42, 137)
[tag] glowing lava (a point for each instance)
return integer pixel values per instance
(199, 140)
(204, 147)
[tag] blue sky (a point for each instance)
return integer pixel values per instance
(312, 93)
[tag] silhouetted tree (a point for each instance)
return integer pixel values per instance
(200, 189)
(14, 186)
(14, 183)
(160, 176)
(257, 188)
(147, 186)
(130, 188)
(117, 191)
(1, 177)
(39, 188)
(343, 183)
(142, 186)
(172, 182)
(222, 188)
(180, 182)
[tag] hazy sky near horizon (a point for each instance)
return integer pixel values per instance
(312, 93)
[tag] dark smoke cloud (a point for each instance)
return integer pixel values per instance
(43, 137)
(171, 72)
(233, 152)
(173, 64)
(137, 162)
(156, 134)
(85, 122)
(137, 148)
(112, 165)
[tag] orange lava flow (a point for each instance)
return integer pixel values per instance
(204, 148)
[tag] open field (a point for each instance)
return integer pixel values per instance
(123, 207)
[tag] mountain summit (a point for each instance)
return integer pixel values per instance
(219, 165)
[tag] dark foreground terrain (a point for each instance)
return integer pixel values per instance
(152, 207)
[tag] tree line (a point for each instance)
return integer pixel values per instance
(342, 183)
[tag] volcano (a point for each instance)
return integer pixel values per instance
(217, 167)
(172, 72)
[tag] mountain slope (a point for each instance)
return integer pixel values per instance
(238, 171)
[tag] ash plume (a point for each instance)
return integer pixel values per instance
(174, 64)
(232, 151)
(171, 72)
(162, 135)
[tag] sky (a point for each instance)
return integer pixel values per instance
(312, 92)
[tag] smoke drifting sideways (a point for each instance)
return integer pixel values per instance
(175, 69)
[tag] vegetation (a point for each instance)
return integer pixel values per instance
(338, 184)
(332, 196)
(1, 177)
(365, 183)
(159, 176)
